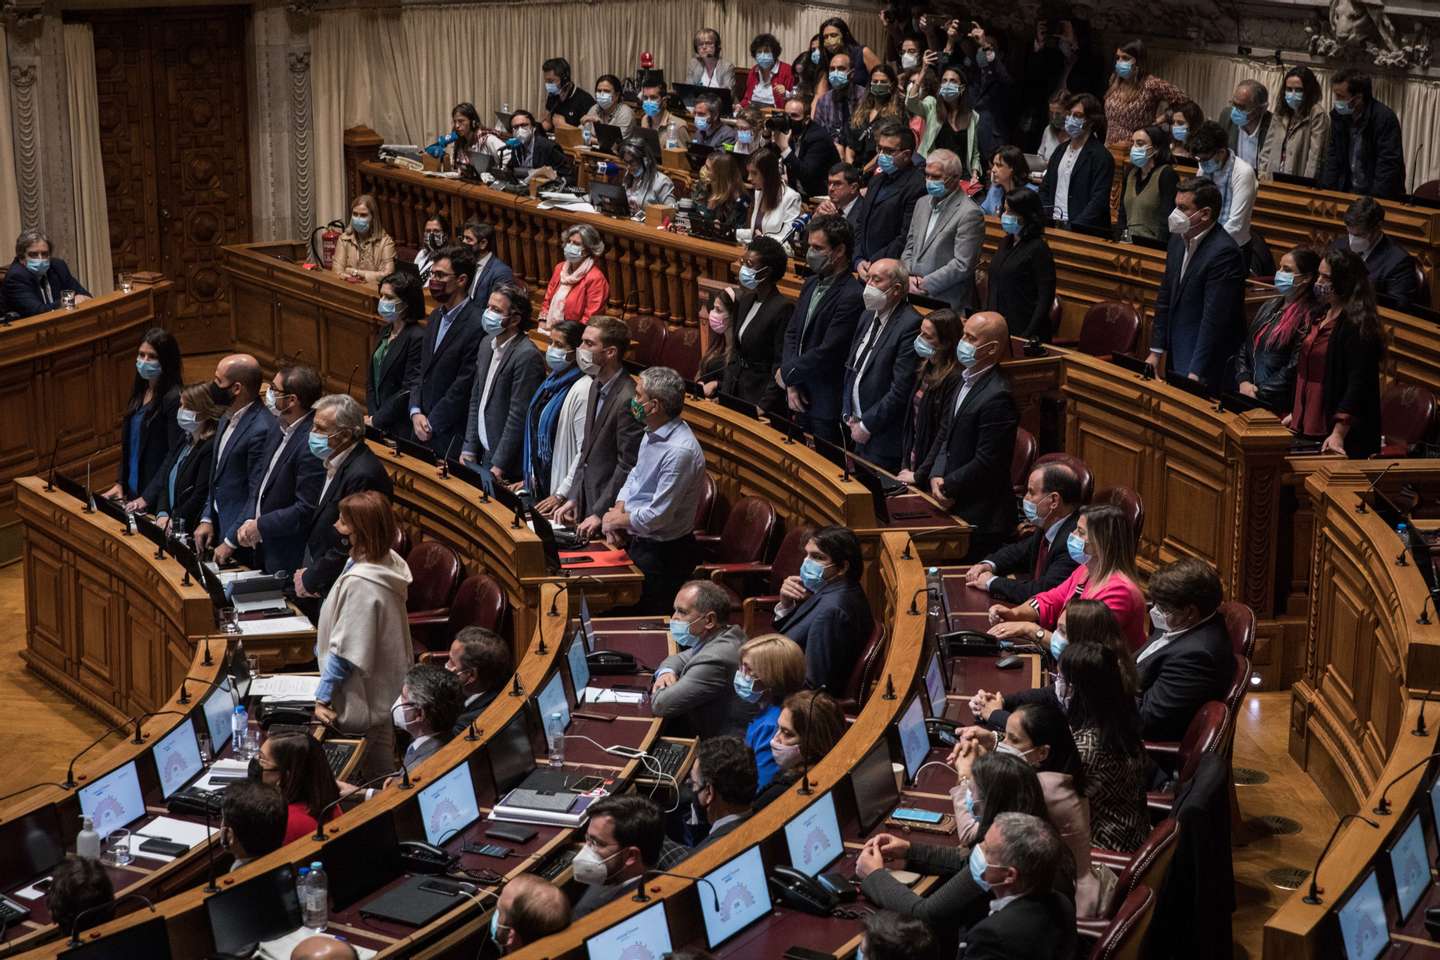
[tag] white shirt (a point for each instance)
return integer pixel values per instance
(497, 353)
(763, 92)
(1191, 246)
(479, 269)
(230, 428)
(285, 433)
(1237, 183)
(968, 380)
(332, 465)
(862, 357)
(754, 309)
(1247, 146)
(1062, 181)
(1165, 639)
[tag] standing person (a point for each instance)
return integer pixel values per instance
(1265, 365)
(362, 639)
(435, 236)
(883, 220)
(149, 430)
(824, 609)
(1135, 96)
(1300, 130)
(1233, 177)
(181, 487)
(490, 270)
(937, 380)
(952, 123)
(942, 248)
(1365, 153)
(758, 326)
(707, 68)
(364, 251)
(440, 389)
(835, 38)
(1181, 120)
(881, 102)
(1078, 178)
(880, 368)
(239, 454)
(291, 483)
(772, 667)
(1147, 188)
(696, 684)
(806, 148)
(508, 368)
(1009, 170)
(1022, 272)
(1247, 123)
(840, 97)
(555, 421)
(395, 362)
(565, 103)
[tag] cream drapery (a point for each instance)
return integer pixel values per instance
(90, 260)
(401, 72)
(9, 176)
(1210, 81)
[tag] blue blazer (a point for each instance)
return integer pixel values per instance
(442, 386)
(1200, 320)
(235, 476)
(287, 504)
(495, 273)
(22, 292)
(888, 384)
(814, 358)
(882, 217)
(832, 626)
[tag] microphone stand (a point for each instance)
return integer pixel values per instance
(156, 713)
(1382, 808)
(69, 783)
(642, 897)
(1313, 896)
(319, 834)
(88, 911)
(210, 885)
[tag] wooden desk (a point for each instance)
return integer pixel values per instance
(65, 377)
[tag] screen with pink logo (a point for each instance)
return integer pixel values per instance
(448, 805)
(743, 895)
(177, 759)
(814, 837)
(645, 936)
(113, 801)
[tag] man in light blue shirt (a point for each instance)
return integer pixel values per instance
(654, 513)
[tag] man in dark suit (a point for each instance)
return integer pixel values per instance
(880, 368)
(1078, 177)
(825, 611)
(532, 152)
(1392, 270)
(508, 370)
(842, 190)
(1247, 122)
(883, 219)
(35, 280)
(723, 782)
(625, 835)
(1040, 561)
(440, 397)
(481, 660)
(1028, 921)
(818, 338)
(241, 439)
(1190, 659)
(612, 435)
(968, 471)
(806, 150)
(349, 468)
(293, 476)
(490, 270)
(1199, 315)
(1365, 153)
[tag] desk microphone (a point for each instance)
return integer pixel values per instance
(444, 461)
(89, 494)
(1313, 897)
(319, 834)
(155, 713)
(1420, 728)
(1373, 483)
(210, 886)
(564, 586)
(100, 907)
(350, 380)
(69, 783)
(1382, 808)
(642, 897)
(32, 786)
(185, 694)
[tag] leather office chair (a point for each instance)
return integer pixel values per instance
(1429, 190)
(1240, 624)
(480, 601)
(435, 571)
(746, 536)
(401, 543)
(1109, 327)
(647, 337)
(1023, 460)
(705, 505)
(758, 611)
(1205, 734)
(681, 351)
(1147, 867)
(1127, 500)
(1407, 416)
(865, 673)
(1081, 468)
(1124, 938)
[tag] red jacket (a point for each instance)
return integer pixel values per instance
(782, 81)
(585, 299)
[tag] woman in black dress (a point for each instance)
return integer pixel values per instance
(1022, 272)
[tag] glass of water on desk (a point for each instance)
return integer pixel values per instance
(122, 282)
(67, 299)
(230, 619)
(116, 852)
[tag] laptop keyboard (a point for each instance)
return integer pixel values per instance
(669, 755)
(338, 754)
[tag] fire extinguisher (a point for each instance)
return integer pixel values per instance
(328, 236)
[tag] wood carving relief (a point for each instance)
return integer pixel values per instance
(300, 114)
(27, 143)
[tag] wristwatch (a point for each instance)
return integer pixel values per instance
(1039, 634)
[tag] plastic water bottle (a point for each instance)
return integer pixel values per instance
(239, 728)
(302, 887)
(672, 138)
(934, 589)
(315, 900)
(87, 842)
(1403, 532)
(556, 731)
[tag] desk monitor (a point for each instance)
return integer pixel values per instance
(652, 142)
(148, 940)
(586, 623)
(1435, 806)
(935, 685)
(113, 801)
(511, 754)
(813, 836)
(260, 909)
(1410, 864)
(361, 860)
(177, 759)
(218, 707)
(873, 781)
(32, 846)
(448, 805)
(914, 737)
(579, 666)
(644, 936)
(609, 199)
(542, 529)
(743, 893)
(552, 701)
(1364, 930)
(607, 138)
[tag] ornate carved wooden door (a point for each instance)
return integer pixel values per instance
(173, 118)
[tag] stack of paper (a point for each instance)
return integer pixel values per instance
(167, 828)
(285, 687)
(222, 768)
(262, 628)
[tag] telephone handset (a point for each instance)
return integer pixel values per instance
(969, 643)
(943, 733)
(806, 894)
(611, 663)
(421, 857)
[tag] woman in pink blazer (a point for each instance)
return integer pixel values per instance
(1103, 544)
(578, 289)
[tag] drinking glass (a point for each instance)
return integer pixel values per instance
(116, 852)
(67, 299)
(124, 283)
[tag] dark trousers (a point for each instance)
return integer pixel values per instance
(666, 564)
(982, 545)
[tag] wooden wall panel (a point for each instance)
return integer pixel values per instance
(97, 625)
(253, 324)
(46, 602)
(144, 684)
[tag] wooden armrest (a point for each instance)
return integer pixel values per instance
(434, 656)
(716, 570)
(428, 618)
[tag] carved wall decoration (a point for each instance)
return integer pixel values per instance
(1358, 29)
(27, 142)
(300, 123)
(25, 17)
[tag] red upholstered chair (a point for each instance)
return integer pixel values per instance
(1240, 624)
(865, 674)
(745, 579)
(1023, 459)
(1407, 416)
(1081, 468)
(705, 505)
(401, 543)
(647, 336)
(681, 351)
(1147, 867)
(1205, 734)
(479, 602)
(746, 536)
(1429, 190)
(1127, 500)
(435, 571)
(1109, 327)
(1124, 938)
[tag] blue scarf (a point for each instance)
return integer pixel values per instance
(540, 419)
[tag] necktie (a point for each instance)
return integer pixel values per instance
(1041, 556)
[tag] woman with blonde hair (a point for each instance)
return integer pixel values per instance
(772, 667)
(182, 484)
(365, 251)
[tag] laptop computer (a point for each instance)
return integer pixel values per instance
(610, 199)
(607, 138)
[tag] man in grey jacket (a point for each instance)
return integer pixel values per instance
(508, 369)
(698, 682)
(942, 249)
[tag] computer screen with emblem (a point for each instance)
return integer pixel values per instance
(813, 836)
(448, 805)
(743, 895)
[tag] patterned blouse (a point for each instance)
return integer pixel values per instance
(1115, 785)
(1128, 108)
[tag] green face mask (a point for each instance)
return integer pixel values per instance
(637, 410)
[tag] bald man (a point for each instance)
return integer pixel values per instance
(240, 461)
(321, 947)
(880, 368)
(968, 470)
(529, 909)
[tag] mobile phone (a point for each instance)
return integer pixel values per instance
(805, 953)
(497, 850)
(916, 815)
(586, 784)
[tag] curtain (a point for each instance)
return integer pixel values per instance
(9, 176)
(1210, 80)
(400, 73)
(90, 259)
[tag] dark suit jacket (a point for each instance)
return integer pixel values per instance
(1019, 558)
(612, 442)
(1392, 271)
(1088, 202)
(814, 358)
(159, 434)
(192, 484)
(751, 373)
(887, 384)
(1032, 927)
(812, 154)
(441, 388)
(1382, 157)
(235, 474)
(287, 502)
(495, 272)
(325, 550)
(521, 369)
(832, 626)
(882, 220)
(925, 420)
(23, 292)
(477, 706)
(548, 153)
(1181, 677)
(1022, 286)
(1352, 386)
(1200, 320)
(978, 442)
(387, 399)
(719, 832)
(1233, 132)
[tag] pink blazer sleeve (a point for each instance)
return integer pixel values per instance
(967, 828)
(1127, 603)
(1052, 601)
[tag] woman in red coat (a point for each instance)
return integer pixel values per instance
(773, 77)
(578, 289)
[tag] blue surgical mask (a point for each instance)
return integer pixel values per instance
(148, 369)
(1179, 132)
(1209, 167)
(574, 252)
(1124, 69)
(1010, 223)
(936, 188)
(1239, 117)
(978, 866)
(815, 55)
(1032, 512)
(1343, 108)
(557, 358)
(604, 100)
(885, 163)
(1294, 99)
(651, 107)
(765, 60)
(681, 633)
(187, 420)
(1058, 643)
(1075, 546)
(319, 445)
(965, 353)
(1074, 125)
(749, 277)
(551, 89)
(37, 265)
(923, 350)
(949, 90)
(492, 321)
(1139, 155)
(388, 308)
(1284, 281)
(702, 124)
(360, 224)
(745, 687)
(812, 574)
(839, 78)
(744, 136)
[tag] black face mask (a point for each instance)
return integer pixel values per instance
(253, 773)
(220, 395)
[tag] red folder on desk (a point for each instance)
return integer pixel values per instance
(594, 558)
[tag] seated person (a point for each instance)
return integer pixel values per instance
(323, 947)
(890, 936)
(1392, 270)
(364, 251)
(35, 280)
(608, 109)
(469, 137)
(529, 155)
(1106, 726)
(483, 663)
(810, 725)
(696, 685)
(643, 181)
(706, 68)
(1265, 367)
(80, 896)
(253, 819)
(824, 609)
(772, 667)
(1018, 862)
(622, 841)
(722, 781)
(430, 703)
(721, 194)
(1189, 660)
(710, 130)
(1040, 561)
(565, 103)
(530, 908)
(296, 764)
(674, 133)
(843, 185)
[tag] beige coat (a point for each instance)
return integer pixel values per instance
(1295, 145)
(363, 620)
(373, 257)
